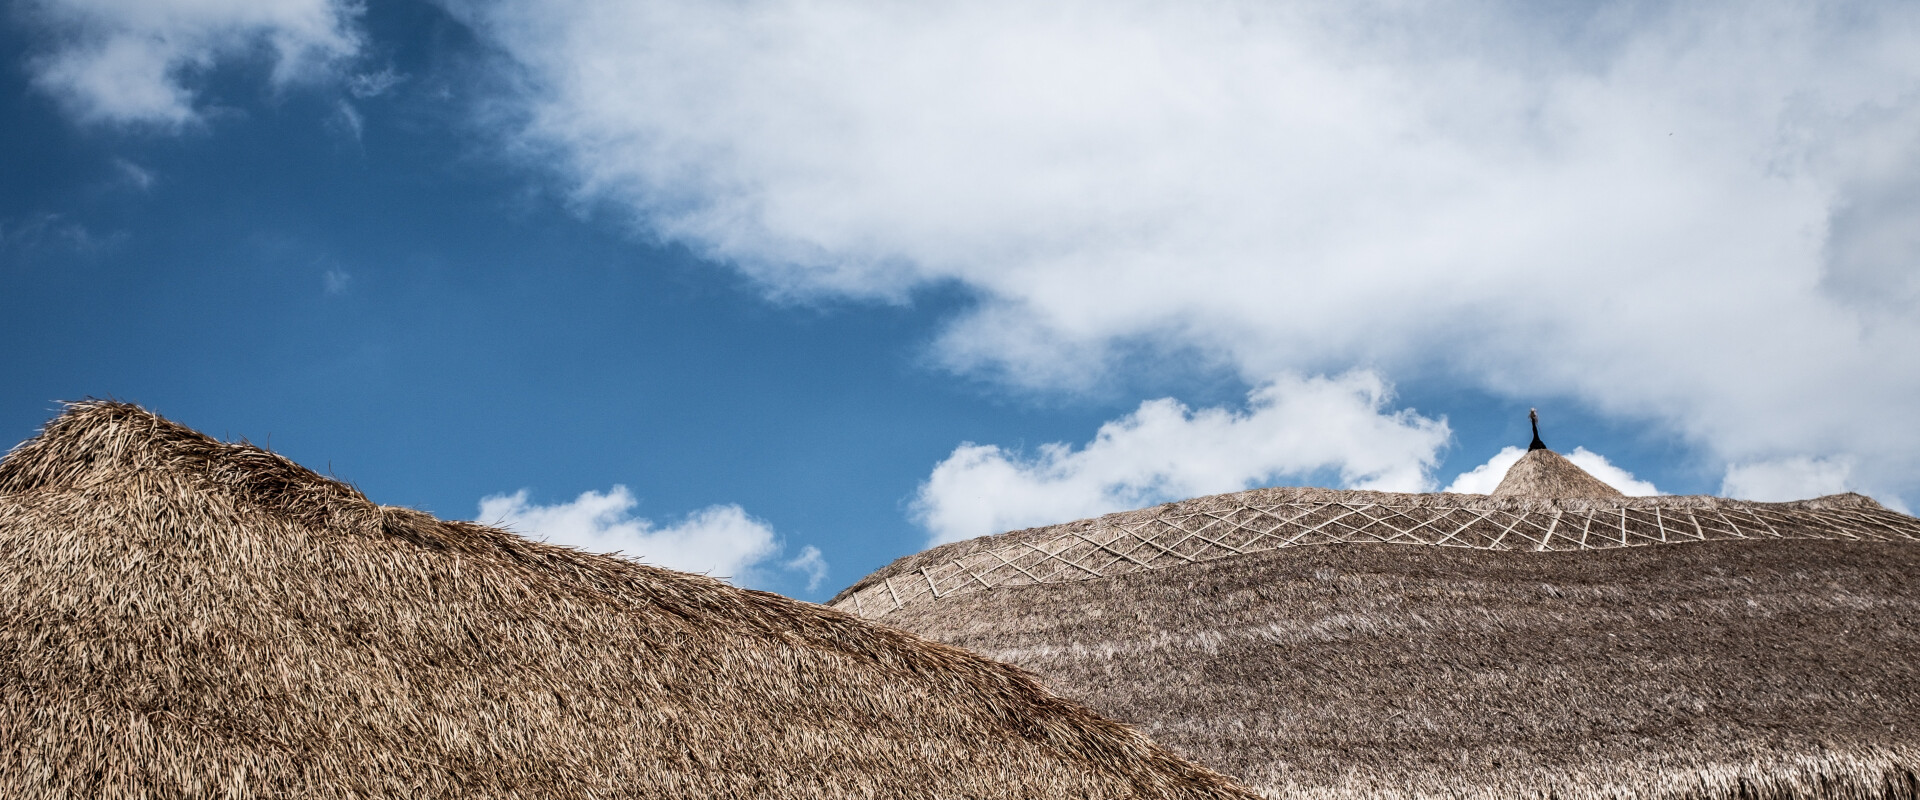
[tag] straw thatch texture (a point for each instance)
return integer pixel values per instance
(1546, 474)
(1229, 525)
(1721, 669)
(183, 617)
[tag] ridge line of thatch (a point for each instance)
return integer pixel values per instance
(102, 441)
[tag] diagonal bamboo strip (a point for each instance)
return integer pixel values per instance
(1736, 529)
(1549, 537)
(1109, 549)
(1454, 534)
(1517, 519)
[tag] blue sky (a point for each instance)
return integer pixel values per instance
(788, 290)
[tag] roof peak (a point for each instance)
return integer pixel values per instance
(1545, 474)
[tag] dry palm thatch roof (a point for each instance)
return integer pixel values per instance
(1570, 647)
(185, 617)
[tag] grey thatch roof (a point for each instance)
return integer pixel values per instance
(1573, 648)
(185, 617)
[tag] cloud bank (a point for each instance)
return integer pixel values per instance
(1484, 478)
(1697, 215)
(720, 540)
(136, 61)
(1166, 451)
(1787, 479)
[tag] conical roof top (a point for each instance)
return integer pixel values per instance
(181, 616)
(1545, 474)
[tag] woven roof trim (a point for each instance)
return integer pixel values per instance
(1223, 526)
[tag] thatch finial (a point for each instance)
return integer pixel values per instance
(1533, 415)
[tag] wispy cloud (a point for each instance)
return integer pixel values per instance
(374, 84)
(1691, 214)
(720, 540)
(136, 61)
(1166, 451)
(136, 176)
(348, 120)
(811, 564)
(35, 236)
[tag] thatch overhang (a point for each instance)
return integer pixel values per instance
(185, 617)
(1570, 647)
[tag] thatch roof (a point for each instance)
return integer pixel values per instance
(185, 617)
(1230, 525)
(1572, 648)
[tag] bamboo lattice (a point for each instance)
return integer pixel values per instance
(1175, 538)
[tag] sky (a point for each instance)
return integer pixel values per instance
(782, 291)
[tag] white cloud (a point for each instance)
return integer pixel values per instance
(1484, 478)
(1165, 451)
(1598, 466)
(1783, 479)
(1691, 214)
(720, 540)
(810, 563)
(133, 61)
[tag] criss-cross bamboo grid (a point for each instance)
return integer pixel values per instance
(1176, 538)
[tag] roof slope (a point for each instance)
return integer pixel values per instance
(1723, 669)
(181, 616)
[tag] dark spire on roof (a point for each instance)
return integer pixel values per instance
(1533, 415)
